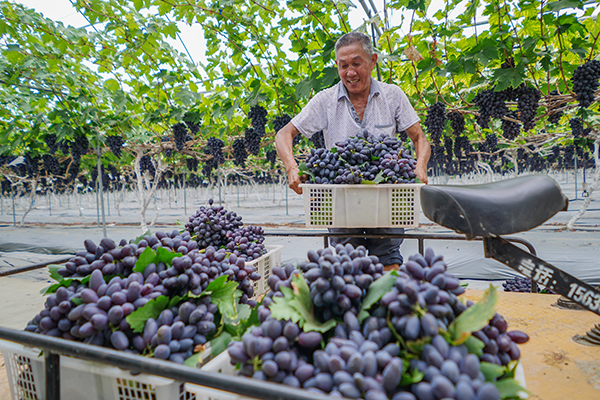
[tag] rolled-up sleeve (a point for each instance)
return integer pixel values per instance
(313, 117)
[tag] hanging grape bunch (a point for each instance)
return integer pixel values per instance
(79, 147)
(258, 116)
(252, 141)
(51, 164)
(280, 122)
(214, 147)
(448, 146)
(146, 164)
(527, 105)
(585, 82)
(435, 121)
(239, 152)
(510, 129)
(363, 158)
(402, 136)
(554, 117)
(191, 164)
(168, 151)
(50, 141)
(193, 127)
(457, 122)
(491, 104)
(492, 142)
(65, 147)
(318, 140)
(105, 178)
(115, 143)
(271, 156)
(180, 134)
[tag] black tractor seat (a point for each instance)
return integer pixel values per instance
(492, 209)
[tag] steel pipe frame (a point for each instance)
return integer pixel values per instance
(34, 266)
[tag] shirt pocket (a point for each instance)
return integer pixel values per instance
(385, 129)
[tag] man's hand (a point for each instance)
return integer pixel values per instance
(421, 172)
(422, 148)
(295, 179)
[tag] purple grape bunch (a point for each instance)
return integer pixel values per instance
(246, 242)
(210, 226)
(367, 359)
(95, 312)
(362, 158)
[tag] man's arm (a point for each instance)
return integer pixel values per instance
(284, 142)
(422, 148)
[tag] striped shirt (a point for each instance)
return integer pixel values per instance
(388, 111)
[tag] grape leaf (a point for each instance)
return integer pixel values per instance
(53, 288)
(76, 300)
(223, 294)
(175, 300)
(53, 269)
(220, 343)
(510, 388)
(475, 317)
(138, 239)
(165, 255)
(297, 306)
(474, 345)
(303, 170)
(147, 257)
(152, 309)
(491, 371)
(416, 346)
(66, 282)
(376, 291)
(198, 359)
(414, 376)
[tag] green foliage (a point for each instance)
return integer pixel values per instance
(124, 78)
(475, 317)
(297, 306)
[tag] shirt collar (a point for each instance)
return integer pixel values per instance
(342, 92)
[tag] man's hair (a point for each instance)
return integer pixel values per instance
(354, 37)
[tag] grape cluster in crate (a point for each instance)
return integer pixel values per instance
(157, 295)
(361, 159)
(335, 325)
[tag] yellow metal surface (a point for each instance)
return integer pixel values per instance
(556, 367)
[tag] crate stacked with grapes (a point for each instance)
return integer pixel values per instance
(363, 170)
(158, 295)
(335, 325)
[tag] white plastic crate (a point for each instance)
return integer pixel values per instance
(80, 379)
(362, 206)
(219, 364)
(222, 364)
(263, 265)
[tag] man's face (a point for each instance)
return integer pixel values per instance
(354, 67)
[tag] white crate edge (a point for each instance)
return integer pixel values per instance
(222, 364)
(263, 265)
(104, 377)
(376, 196)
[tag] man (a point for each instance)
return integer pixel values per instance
(356, 104)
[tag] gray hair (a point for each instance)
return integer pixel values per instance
(355, 37)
